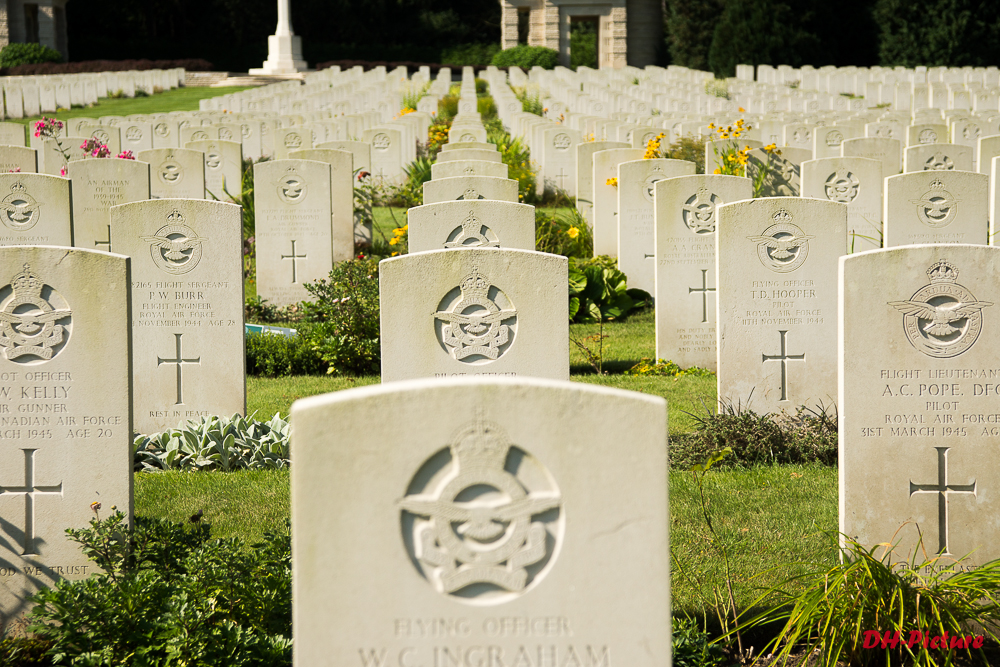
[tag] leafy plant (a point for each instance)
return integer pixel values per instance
(271, 355)
(865, 593)
(17, 53)
(563, 232)
(346, 312)
(690, 148)
(647, 367)
(260, 311)
(215, 443)
(809, 436)
(530, 103)
(515, 154)
(598, 291)
(25, 652)
(167, 594)
(526, 57)
(691, 646)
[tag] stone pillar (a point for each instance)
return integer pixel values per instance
(4, 24)
(508, 25)
(284, 49)
(47, 25)
(615, 39)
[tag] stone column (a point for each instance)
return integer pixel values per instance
(47, 25)
(284, 49)
(618, 52)
(508, 23)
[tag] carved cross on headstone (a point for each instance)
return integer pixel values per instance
(705, 289)
(29, 491)
(784, 357)
(179, 361)
(943, 489)
(562, 176)
(294, 259)
(105, 243)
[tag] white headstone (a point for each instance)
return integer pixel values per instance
(471, 224)
(455, 168)
(188, 354)
(66, 416)
(937, 157)
(936, 207)
(97, 186)
(606, 197)
(35, 209)
(585, 174)
(175, 172)
(549, 459)
(918, 401)
(223, 168)
(474, 312)
(470, 188)
(777, 300)
(686, 219)
(294, 229)
(636, 246)
(854, 181)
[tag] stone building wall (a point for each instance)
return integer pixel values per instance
(630, 32)
(51, 17)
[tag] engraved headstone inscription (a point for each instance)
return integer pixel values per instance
(919, 385)
(497, 529)
(936, 207)
(66, 414)
(636, 186)
(97, 186)
(856, 182)
(223, 168)
(187, 309)
(686, 219)
(474, 311)
(175, 173)
(35, 209)
(481, 223)
(776, 263)
(468, 188)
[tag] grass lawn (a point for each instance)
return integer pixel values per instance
(178, 99)
(764, 545)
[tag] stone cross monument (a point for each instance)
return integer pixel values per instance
(284, 49)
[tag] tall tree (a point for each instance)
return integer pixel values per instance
(689, 25)
(953, 33)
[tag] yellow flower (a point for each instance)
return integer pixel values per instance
(711, 126)
(393, 254)
(394, 240)
(572, 232)
(717, 171)
(612, 182)
(742, 110)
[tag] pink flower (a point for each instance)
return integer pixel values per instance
(62, 170)
(15, 170)
(126, 155)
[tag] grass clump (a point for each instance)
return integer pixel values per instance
(808, 436)
(842, 608)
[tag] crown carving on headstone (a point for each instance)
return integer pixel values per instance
(472, 219)
(481, 445)
(703, 192)
(657, 167)
(175, 218)
(942, 272)
(26, 284)
(475, 284)
(936, 184)
(782, 216)
(18, 187)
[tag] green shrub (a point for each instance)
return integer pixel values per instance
(16, 54)
(271, 355)
(807, 437)
(487, 108)
(260, 311)
(526, 57)
(563, 232)
(660, 368)
(530, 103)
(25, 652)
(170, 595)
(690, 148)
(598, 291)
(469, 54)
(447, 108)
(346, 313)
(215, 443)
